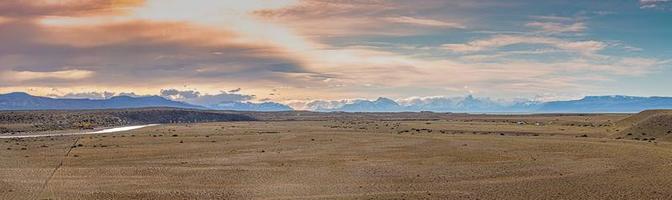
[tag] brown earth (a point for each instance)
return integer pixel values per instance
(346, 157)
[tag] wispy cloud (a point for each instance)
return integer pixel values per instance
(497, 41)
(557, 27)
(20, 76)
(84, 95)
(40, 8)
(650, 4)
(425, 22)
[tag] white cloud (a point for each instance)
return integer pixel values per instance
(557, 27)
(492, 43)
(74, 74)
(84, 95)
(318, 104)
(650, 4)
(198, 98)
(425, 22)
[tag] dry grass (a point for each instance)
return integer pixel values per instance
(465, 158)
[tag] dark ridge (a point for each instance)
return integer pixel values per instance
(31, 121)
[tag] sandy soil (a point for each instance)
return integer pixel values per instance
(357, 159)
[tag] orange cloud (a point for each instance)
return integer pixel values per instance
(40, 8)
(74, 74)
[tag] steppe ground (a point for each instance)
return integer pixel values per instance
(487, 157)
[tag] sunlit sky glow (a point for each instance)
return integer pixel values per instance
(303, 50)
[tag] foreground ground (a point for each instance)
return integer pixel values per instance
(484, 157)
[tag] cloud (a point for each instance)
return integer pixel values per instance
(364, 17)
(4, 20)
(85, 95)
(497, 41)
(308, 49)
(652, 4)
(556, 27)
(37, 8)
(130, 53)
(177, 94)
(20, 76)
(198, 98)
(130, 94)
(235, 90)
(425, 22)
(317, 105)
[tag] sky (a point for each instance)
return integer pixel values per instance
(295, 51)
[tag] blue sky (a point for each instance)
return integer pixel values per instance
(306, 50)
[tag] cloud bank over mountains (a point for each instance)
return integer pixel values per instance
(231, 100)
(435, 104)
(224, 100)
(471, 104)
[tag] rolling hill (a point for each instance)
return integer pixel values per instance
(649, 125)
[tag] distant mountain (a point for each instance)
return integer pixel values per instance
(379, 105)
(436, 104)
(24, 101)
(249, 106)
(589, 104)
(468, 104)
(608, 104)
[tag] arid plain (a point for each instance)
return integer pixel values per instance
(298, 155)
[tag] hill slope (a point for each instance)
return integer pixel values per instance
(648, 125)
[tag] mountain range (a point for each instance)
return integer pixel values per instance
(24, 101)
(589, 104)
(249, 106)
